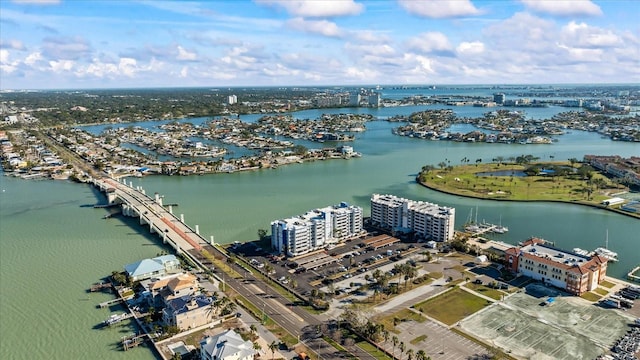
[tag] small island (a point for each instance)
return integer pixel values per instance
(526, 178)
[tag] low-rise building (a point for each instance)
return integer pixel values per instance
(575, 273)
(226, 346)
(156, 267)
(160, 290)
(188, 312)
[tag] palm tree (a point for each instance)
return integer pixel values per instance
(402, 348)
(394, 340)
(385, 336)
(273, 346)
(253, 329)
(410, 354)
(421, 355)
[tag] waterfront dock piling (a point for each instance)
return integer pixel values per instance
(100, 286)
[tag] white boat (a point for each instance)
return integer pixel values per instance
(607, 254)
(500, 229)
(115, 318)
(581, 252)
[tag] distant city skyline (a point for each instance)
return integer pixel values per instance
(62, 44)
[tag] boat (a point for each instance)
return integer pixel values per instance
(605, 252)
(472, 225)
(500, 229)
(114, 318)
(581, 252)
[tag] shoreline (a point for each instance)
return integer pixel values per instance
(596, 206)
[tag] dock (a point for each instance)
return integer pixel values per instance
(100, 286)
(131, 341)
(634, 274)
(110, 302)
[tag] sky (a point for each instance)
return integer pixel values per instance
(80, 44)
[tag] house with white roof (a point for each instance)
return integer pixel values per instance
(156, 267)
(226, 346)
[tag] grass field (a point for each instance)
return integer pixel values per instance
(400, 316)
(452, 306)
(463, 180)
(485, 290)
(601, 291)
(373, 351)
(607, 284)
(590, 296)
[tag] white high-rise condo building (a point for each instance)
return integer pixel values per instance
(427, 220)
(316, 229)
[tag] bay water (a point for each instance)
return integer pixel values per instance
(54, 244)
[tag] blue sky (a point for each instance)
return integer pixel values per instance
(115, 44)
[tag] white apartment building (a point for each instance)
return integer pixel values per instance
(427, 220)
(316, 229)
(232, 99)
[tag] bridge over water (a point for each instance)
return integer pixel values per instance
(136, 203)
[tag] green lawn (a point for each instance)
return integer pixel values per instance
(373, 351)
(601, 291)
(400, 316)
(452, 306)
(485, 290)
(590, 296)
(462, 180)
(607, 284)
(418, 339)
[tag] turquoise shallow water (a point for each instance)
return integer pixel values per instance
(54, 245)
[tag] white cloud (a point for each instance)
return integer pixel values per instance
(321, 27)
(430, 42)
(186, 55)
(358, 73)
(6, 65)
(368, 49)
(184, 72)
(33, 58)
(564, 7)
(583, 35)
(369, 36)
(581, 54)
(470, 48)
(58, 66)
(438, 9)
(127, 66)
(315, 8)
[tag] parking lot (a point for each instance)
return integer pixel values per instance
(321, 269)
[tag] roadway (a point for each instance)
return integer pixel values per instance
(280, 309)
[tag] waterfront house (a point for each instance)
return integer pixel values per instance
(226, 346)
(148, 268)
(160, 290)
(188, 312)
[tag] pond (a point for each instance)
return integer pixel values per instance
(518, 173)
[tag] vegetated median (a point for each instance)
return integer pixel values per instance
(563, 181)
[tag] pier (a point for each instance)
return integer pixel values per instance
(110, 302)
(100, 287)
(131, 341)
